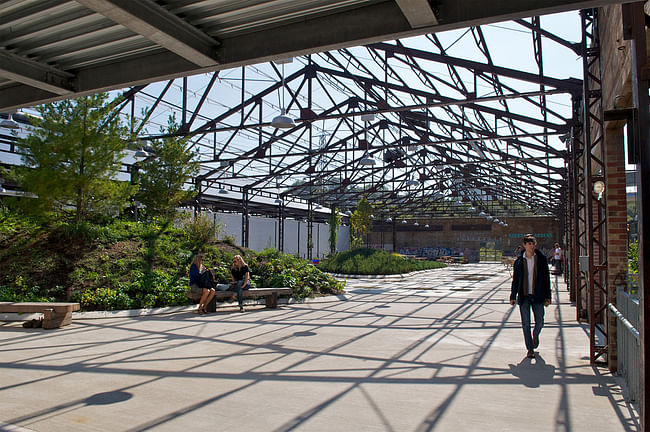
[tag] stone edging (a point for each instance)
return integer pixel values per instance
(167, 310)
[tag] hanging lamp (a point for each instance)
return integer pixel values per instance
(283, 121)
(367, 160)
(9, 123)
(412, 182)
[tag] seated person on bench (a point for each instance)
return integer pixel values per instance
(202, 277)
(240, 277)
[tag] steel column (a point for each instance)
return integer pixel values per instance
(245, 218)
(281, 227)
(596, 204)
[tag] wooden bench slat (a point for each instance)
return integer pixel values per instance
(38, 307)
(255, 292)
(270, 294)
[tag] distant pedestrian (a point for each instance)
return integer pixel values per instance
(558, 257)
(531, 289)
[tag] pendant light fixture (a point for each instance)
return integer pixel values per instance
(283, 121)
(367, 160)
(9, 123)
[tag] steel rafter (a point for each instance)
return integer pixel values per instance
(472, 133)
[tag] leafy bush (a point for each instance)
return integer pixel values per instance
(633, 257)
(85, 231)
(108, 267)
(18, 291)
(12, 223)
(275, 269)
(373, 261)
(148, 290)
(201, 231)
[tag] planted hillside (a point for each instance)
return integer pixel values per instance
(373, 261)
(124, 264)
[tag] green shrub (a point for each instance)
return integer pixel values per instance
(201, 230)
(103, 298)
(18, 292)
(147, 290)
(111, 266)
(21, 291)
(85, 231)
(633, 257)
(373, 261)
(275, 269)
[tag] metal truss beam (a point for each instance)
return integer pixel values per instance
(448, 134)
(418, 13)
(182, 49)
(147, 18)
(594, 169)
(43, 77)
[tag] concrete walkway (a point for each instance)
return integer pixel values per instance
(440, 350)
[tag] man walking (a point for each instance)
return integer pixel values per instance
(531, 289)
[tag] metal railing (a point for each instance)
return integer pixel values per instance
(627, 340)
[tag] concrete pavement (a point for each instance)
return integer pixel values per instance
(440, 350)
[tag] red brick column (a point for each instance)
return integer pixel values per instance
(616, 228)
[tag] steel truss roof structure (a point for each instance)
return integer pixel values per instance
(59, 49)
(451, 132)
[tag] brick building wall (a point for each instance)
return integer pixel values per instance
(617, 93)
(452, 236)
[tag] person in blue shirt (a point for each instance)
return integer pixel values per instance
(201, 277)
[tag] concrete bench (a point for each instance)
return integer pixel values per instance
(55, 314)
(270, 295)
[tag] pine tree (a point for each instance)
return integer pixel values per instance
(162, 176)
(71, 158)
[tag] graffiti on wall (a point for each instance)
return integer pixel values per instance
(439, 251)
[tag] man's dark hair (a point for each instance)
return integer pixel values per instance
(529, 238)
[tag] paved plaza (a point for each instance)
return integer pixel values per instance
(440, 350)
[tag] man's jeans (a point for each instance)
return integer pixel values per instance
(239, 289)
(538, 311)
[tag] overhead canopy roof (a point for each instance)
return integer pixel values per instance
(55, 49)
(455, 123)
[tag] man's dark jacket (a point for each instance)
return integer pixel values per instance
(518, 290)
